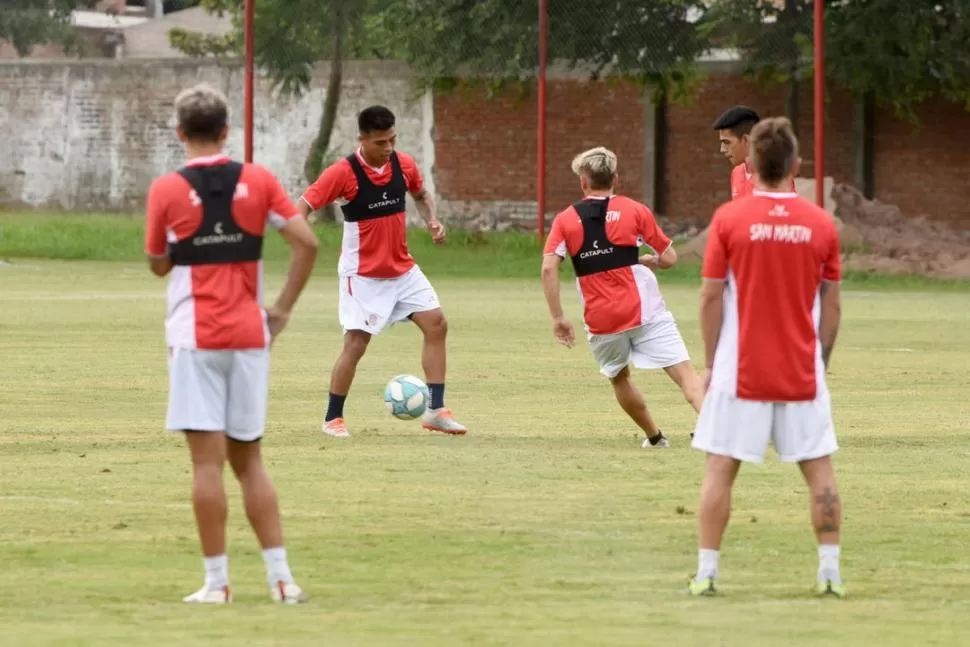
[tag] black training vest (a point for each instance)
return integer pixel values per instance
(374, 201)
(219, 239)
(598, 254)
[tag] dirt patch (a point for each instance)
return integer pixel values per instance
(878, 237)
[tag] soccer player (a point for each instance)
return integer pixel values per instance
(733, 131)
(205, 227)
(770, 311)
(380, 284)
(625, 316)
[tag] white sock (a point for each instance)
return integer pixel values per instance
(828, 563)
(216, 571)
(707, 563)
(277, 568)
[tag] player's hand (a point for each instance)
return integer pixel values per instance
(437, 230)
(276, 319)
(563, 331)
(651, 261)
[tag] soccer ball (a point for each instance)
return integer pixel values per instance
(406, 397)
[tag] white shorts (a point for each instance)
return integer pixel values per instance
(218, 390)
(372, 304)
(657, 344)
(741, 429)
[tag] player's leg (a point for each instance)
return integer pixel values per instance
(248, 396)
(198, 391)
(729, 431)
(612, 354)
(804, 433)
(417, 300)
(364, 307)
(633, 404)
(691, 384)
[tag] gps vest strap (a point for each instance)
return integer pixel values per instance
(373, 201)
(598, 254)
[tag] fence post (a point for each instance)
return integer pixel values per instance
(249, 19)
(819, 102)
(541, 164)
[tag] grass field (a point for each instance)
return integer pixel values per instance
(546, 525)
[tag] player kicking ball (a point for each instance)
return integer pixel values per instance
(380, 284)
(625, 316)
(770, 311)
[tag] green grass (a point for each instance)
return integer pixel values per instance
(546, 525)
(103, 237)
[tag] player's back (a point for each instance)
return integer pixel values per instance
(775, 247)
(215, 214)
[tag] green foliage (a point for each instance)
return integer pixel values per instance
(26, 23)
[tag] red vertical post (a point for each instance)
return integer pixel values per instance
(541, 142)
(249, 18)
(819, 102)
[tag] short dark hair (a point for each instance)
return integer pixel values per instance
(774, 149)
(739, 120)
(202, 113)
(375, 118)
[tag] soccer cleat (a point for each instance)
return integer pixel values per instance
(657, 441)
(336, 428)
(442, 420)
(287, 593)
(210, 596)
(828, 587)
(703, 587)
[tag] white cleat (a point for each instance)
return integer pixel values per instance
(287, 593)
(659, 443)
(442, 420)
(210, 596)
(336, 428)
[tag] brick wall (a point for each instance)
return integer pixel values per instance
(92, 135)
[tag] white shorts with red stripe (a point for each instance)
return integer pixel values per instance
(742, 429)
(218, 390)
(370, 304)
(657, 344)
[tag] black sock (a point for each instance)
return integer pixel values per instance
(437, 395)
(656, 439)
(336, 407)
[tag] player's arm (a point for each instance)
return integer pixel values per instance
(550, 284)
(554, 253)
(653, 235)
(423, 200)
(156, 243)
(303, 245)
(714, 273)
(329, 186)
(831, 298)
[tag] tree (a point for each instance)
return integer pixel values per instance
(291, 37)
(452, 42)
(26, 23)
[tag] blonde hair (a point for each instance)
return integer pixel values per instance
(202, 112)
(774, 149)
(598, 165)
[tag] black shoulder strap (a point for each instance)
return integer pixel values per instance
(590, 209)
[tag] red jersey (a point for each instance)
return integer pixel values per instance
(376, 248)
(773, 250)
(215, 306)
(742, 181)
(616, 299)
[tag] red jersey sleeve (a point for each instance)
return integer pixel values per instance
(412, 174)
(331, 185)
(156, 242)
(832, 265)
(556, 240)
(715, 266)
(280, 209)
(650, 231)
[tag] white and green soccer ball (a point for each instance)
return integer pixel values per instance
(406, 397)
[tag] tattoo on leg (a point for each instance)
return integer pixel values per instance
(828, 501)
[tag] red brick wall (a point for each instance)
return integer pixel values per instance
(486, 149)
(925, 170)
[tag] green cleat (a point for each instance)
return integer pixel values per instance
(701, 587)
(829, 588)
